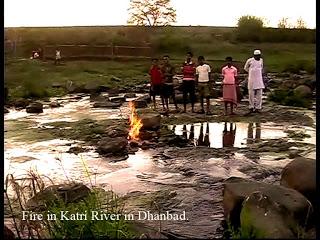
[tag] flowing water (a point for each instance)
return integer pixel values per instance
(195, 180)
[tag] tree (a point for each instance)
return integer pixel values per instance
(151, 13)
(283, 23)
(250, 28)
(301, 23)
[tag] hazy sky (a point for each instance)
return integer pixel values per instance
(189, 12)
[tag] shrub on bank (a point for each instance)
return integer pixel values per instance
(288, 98)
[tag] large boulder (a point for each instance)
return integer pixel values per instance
(150, 121)
(21, 103)
(35, 107)
(107, 104)
(300, 174)
(69, 193)
(263, 218)
(117, 131)
(236, 190)
(303, 91)
(113, 146)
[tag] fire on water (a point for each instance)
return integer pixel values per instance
(135, 123)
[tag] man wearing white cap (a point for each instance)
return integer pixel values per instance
(254, 66)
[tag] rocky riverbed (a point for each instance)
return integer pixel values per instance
(180, 165)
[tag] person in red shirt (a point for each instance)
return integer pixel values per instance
(188, 81)
(156, 87)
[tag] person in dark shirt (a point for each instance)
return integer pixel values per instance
(168, 86)
(188, 81)
(156, 82)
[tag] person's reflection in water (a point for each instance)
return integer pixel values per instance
(228, 137)
(185, 132)
(200, 138)
(206, 141)
(251, 139)
(191, 136)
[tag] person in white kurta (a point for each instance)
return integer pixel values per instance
(254, 67)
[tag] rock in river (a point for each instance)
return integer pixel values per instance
(236, 190)
(303, 91)
(300, 174)
(35, 107)
(264, 218)
(150, 121)
(113, 146)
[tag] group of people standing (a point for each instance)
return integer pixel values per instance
(198, 77)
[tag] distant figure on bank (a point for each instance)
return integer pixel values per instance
(230, 74)
(57, 57)
(156, 82)
(168, 87)
(254, 66)
(203, 78)
(188, 81)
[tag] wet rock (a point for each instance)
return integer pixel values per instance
(130, 95)
(264, 218)
(112, 146)
(91, 87)
(76, 150)
(35, 107)
(236, 190)
(117, 131)
(55, 104)
(6, 110)
(118, 99)
(98, 98)
(8, 233)
(134, 144)
(146, 98)
(303, 91)
(69, 193)
(107, 104)
(103, 88)
(21, 103)
(293, 154)
(300, 174)
(150, 121)
(147, 135)
(139, 103)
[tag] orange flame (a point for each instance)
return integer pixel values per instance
(135, 123)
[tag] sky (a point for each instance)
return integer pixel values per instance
(41, 13)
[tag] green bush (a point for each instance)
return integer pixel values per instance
(297, 66)
(34, 89)
(288, 98)
(249, 29)
(171, 43)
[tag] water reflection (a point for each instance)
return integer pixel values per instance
(229, 135)
(226, 134)
(257, 137)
